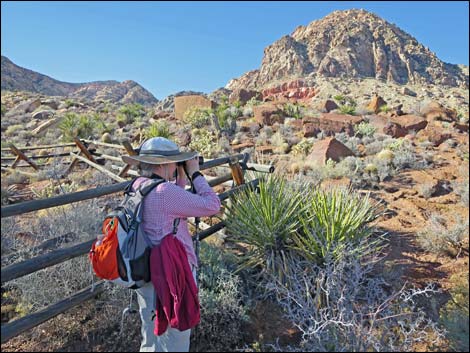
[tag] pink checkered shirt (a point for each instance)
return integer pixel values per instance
(169, 201)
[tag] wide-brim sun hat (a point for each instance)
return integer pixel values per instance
(158, 150)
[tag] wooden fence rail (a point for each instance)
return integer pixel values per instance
(30, 148)
(28, 322)
(35, 205)
(54, 257)
(43, 261)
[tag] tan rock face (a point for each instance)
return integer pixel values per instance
(351, 43)
(183, 103)
(329, 148)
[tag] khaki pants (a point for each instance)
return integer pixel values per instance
(173, 340)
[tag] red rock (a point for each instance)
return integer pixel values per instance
(329, 148)
(333, 123)
(268, 114)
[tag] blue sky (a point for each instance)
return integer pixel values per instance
(173, 46)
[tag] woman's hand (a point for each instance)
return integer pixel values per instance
(192, 165)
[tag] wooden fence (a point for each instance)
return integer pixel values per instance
(236, 163)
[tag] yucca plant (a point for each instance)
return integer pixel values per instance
(264, 221)
(334, 217)
(159, 129)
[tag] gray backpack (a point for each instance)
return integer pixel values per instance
(123, 255)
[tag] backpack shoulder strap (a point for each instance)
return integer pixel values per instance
(146, 187)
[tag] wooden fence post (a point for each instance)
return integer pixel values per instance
(83, 150)
(20, 155)
(237, 172)
(130, 150)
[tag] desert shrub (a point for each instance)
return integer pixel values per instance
(461, 187)
(364, 129)
(158, 129)
(346, 105)
(293, 110)
(303, 147)
(197, 117)
(51, 284)
(342, 306)
(438, 238)
(204, 142)
(223, 314)
(426, 189)
(347, 109)
(247, 111)
(4, 110)
(73, 125)
(253, 101)
(14, 129)
(277, 140)
(384, 108)
(69, 103)
(128, 113)
(454, 315)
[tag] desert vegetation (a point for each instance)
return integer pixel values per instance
(326, 254)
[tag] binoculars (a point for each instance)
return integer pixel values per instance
(201, 162)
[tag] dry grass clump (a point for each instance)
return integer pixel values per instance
(440, 238)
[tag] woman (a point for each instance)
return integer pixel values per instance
(165, 212)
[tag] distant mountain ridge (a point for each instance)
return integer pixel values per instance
(353, 44)
(16, 78)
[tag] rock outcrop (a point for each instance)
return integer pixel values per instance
(351, 43)
(16, 78)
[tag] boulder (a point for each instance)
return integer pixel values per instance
(42, 114)
(268, 114)
(436, 111)
(400, 126)
(331, 123)
(243, 95)
(376, 103)
(329, 148)
(183, 103)
(25, 107)
(407, 92)
(327, 106)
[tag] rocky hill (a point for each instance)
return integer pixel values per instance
(16, 78)
(353, 44)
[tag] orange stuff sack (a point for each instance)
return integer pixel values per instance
(103, 254)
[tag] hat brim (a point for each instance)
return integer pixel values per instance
(136, 160)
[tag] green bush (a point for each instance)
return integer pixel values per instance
(73, 125)
(293, 110)
(130, 112)
(346, 105)
(159, 129)
(204, 142)
(197, 117)
(364, 129)
(347, 109)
